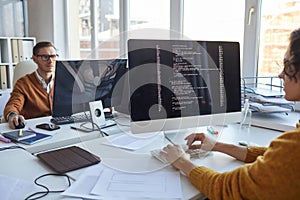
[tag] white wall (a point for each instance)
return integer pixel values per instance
(46, 21)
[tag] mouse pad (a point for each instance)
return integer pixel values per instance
(68, 159)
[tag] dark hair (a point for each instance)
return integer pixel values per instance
(41, 45)
(293, 55)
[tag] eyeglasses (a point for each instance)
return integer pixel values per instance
(45, 57)
(289, 68)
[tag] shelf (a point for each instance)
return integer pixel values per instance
(12, 51)
(265, 94)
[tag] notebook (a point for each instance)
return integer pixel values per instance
(68, 159)
(39, 137)
(19, 135)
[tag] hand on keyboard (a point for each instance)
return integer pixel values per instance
(194, 153)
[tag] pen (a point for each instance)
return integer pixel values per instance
(31, 130)
(4, 139)
(169, 139)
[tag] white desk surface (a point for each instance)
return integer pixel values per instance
(61, 137)
(141, 161)
(20, 164)
(276, 121)
(131, 161)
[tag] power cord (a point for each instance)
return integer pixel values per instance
(11, 147)
(88, 129)
(47, 191)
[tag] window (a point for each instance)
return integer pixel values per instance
(149, 19)
(278, 19)
(98, 28)
(12, 17)
(214, 20)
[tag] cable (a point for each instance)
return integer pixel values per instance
(87, 129)
(11, 147)
(47, 191)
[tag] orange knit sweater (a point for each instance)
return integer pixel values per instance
(273, 174)
(29, 98)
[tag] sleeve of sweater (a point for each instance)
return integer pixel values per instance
(254, 152)
(274, 175)
(16, 100)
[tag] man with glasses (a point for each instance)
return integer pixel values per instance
(32, 95)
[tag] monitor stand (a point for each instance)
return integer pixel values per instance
(89, 126)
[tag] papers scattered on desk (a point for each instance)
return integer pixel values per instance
(267, 108)
(269, 100)
(100, 182)
(130, 142)
(266, 92)
(269, 104)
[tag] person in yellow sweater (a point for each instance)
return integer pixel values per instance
(270, 173)
(32, 95)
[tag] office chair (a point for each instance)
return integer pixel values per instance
(23, 68)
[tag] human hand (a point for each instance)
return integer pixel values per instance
(15, 119)
(173, 153)
(178, 158)
(207, 141)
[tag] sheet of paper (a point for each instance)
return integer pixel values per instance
(83, 186)
(131, 143)
(98, 182)
(12, 188)
(158, 184)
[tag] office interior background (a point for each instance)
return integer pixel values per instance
(100, 28)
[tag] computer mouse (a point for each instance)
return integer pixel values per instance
(20, 125)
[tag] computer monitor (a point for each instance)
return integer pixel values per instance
(179, 84)
(78, 82)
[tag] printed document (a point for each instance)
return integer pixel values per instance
(100, 182)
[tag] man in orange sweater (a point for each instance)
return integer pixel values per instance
(271, 173)
(32, 95)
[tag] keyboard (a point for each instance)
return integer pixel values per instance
(80, 118)
(70, 119)
(194, 153)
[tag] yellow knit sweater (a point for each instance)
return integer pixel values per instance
(274, 173)
(29, 98)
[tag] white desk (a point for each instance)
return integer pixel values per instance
(131, 161)
(61, 137)
(141, 160)
(20, 164)
(276, 121)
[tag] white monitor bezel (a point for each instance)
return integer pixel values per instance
(184, 122)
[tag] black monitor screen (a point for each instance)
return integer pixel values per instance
(180, 78)
(78, 82)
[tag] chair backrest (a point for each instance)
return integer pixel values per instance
(23, 68)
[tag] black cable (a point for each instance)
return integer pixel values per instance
(11, 147)
(47, 191)
(87, 129)
(99, 129)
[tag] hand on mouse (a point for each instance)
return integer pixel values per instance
(16, 121)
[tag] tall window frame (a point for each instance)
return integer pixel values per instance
(250, 52)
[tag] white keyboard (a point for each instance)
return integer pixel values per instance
(194, 153)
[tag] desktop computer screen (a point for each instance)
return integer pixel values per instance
(78, 82)
(177, 84)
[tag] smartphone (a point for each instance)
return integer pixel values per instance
(48, 126)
